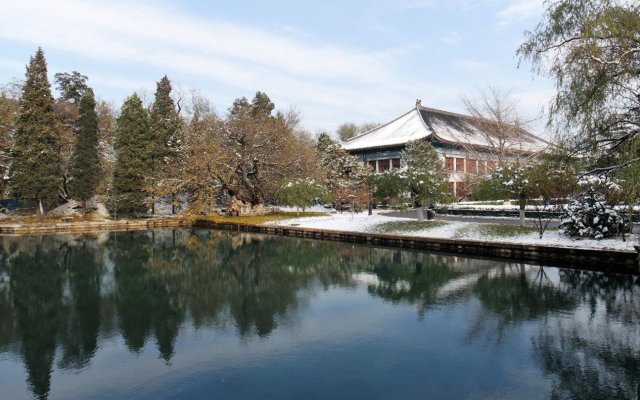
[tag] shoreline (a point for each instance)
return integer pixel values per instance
(616, 260)
(91, 226)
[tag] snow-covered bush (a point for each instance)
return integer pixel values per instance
(301, 193)
(590, 216)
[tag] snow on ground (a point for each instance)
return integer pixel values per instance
(466, 231)
(452, 230)
(346, 221)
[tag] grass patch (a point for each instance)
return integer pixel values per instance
(504, 230)
(406, 226)
(260, 219)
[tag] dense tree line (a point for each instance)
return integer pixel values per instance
(178, 151)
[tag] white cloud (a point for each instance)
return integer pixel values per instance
(328, 82)
(518, 11)
(147, 34)
(327, 78)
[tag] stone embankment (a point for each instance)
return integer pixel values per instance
(576, 257)
(91, 226)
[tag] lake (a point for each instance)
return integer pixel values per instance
(203, 314)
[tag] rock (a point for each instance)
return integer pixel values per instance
(95, 209)
(238, 207)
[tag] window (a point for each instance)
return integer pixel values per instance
(448, 162)
(460, 189)
(491, 166)
(482, 169)
(395, 163)
(383, 165)
(471, 166)
(460, 164)
(451, 188)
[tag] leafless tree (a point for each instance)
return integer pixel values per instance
(498, 125)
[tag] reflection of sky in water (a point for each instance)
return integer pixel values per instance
(362, 324)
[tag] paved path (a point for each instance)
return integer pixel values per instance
(485, 220)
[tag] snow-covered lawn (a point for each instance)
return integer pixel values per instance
(451, 230)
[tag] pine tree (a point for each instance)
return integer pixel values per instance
(165, 129)
(426, 174)
(85, 165)
(71, 85)
(35, 170)
(133, 158)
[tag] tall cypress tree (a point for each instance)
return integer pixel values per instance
(133, 158)
(35, 170)
(85, 164)
(165, 127)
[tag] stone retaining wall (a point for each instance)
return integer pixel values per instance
(567, 256)
(575, 257)
(90, 226)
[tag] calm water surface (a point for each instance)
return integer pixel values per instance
(195, 314)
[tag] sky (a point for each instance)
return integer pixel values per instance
(333, 61)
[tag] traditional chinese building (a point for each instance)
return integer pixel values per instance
(470, 146)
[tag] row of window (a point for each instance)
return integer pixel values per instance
(460, 189)
(384, 165)
(479, 167)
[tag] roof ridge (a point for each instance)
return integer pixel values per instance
(423, 108)
(480, 119)
(379, 126)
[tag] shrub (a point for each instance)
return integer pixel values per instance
(591, 216)
(301, 193)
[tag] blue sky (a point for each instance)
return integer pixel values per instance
(334, 61)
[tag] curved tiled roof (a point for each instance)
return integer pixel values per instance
(447, 127)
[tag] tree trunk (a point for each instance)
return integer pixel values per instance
(40, 210)
(420, 214)
(523, 203)
(173, 203)
(84, 208)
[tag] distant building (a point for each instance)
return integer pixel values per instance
(470, 146)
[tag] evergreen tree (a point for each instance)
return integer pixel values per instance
(85, 165)
(426, 174)
(35, 170)
(133, 158)
(71, 85)
(165, 129)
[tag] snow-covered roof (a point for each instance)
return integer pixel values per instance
(446, 127)
(407, 127)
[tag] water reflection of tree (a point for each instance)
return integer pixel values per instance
(410, 277)
(259, 280)
(511, 296)
(597, 358)
(81, 322)
(37, 290)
